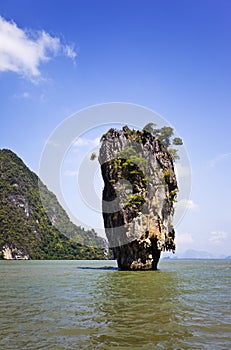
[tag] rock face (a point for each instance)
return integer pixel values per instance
(13, 253)
(139, 192)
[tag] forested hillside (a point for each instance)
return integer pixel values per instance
(25, 228)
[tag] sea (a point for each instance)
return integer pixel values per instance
(61, 305)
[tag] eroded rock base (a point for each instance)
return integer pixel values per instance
(138, 255)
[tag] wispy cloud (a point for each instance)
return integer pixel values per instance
(71, 173)
(219, 158)
(187, 204)
(184, 238)
(24, 95)
(22, 51)
(217, 236)
(53, 143)
(182, 170)
(83, 142)
(70, 51)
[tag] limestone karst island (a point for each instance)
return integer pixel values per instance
(138, 198)
(140, 188)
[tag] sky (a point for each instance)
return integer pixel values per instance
(172, 57)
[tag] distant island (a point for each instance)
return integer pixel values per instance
(193, 254)
(26, 231)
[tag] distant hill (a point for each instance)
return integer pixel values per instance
(197, 254)
(201, 254)
(25, 228)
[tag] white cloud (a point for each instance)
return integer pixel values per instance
(22, 51)
(82, 142)
(184, 238)
(52, 143)
(219, 158)
(25, 94)
(70, 52)
(217, 236)
(182, 170)
(71, 173)
(187, 204)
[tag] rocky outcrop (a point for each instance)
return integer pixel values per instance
(13, 253)
(139, 192)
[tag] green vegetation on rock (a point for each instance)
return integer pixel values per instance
(165, 136)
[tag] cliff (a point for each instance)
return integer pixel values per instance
(140, 188)
(26, 232)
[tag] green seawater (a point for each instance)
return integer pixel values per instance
(91, 305)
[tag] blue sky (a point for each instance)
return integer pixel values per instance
(170, 56)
